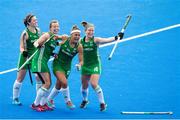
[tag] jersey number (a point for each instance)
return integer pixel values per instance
(96, 69)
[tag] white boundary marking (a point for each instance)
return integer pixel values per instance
(6, 71)
(142, 35)
(123, 40)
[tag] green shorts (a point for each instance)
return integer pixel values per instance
(21, 61)
(61, 68)
(39, 66)
(89, 70)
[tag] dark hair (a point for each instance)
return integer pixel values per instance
(86, 25)
(27, 19)
(53, 21)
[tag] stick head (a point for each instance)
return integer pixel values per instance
(129, 15)
(170, 113)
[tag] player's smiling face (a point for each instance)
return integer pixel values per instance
(54, 28)
(75, 36)
(34, 22)
(90, 32)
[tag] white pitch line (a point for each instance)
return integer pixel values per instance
(123, 40)
(142, 35)
(6, 71)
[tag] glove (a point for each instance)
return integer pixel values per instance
(25, 54)
(121, 35)
(116, 37)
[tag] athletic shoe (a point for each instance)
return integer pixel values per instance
(16, 102)
(51, 104)
(38, 108)
(46, 107)
(84, 103)
(70, 105)
(103, 106)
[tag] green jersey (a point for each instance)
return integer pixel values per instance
(29, 45)
(30, 41)
(65, 56)
(91, 60)
(40, 60)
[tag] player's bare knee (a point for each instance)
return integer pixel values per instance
(37, 78)
(94, 85)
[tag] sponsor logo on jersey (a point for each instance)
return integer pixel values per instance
(67, 53)
(88, 49)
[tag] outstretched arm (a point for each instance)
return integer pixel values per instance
(63, 38)
(99, 40)
(42, 40)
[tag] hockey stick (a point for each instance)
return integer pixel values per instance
(122, 30)
(147, 113)
(30, 76)
(33, 54)
(25, 48)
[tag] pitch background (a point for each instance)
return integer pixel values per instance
(143, 75)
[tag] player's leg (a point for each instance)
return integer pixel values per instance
(94, 82)
(65, 89)
(17, 86)
(84, 90)
(43, 93)
(54, 92)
